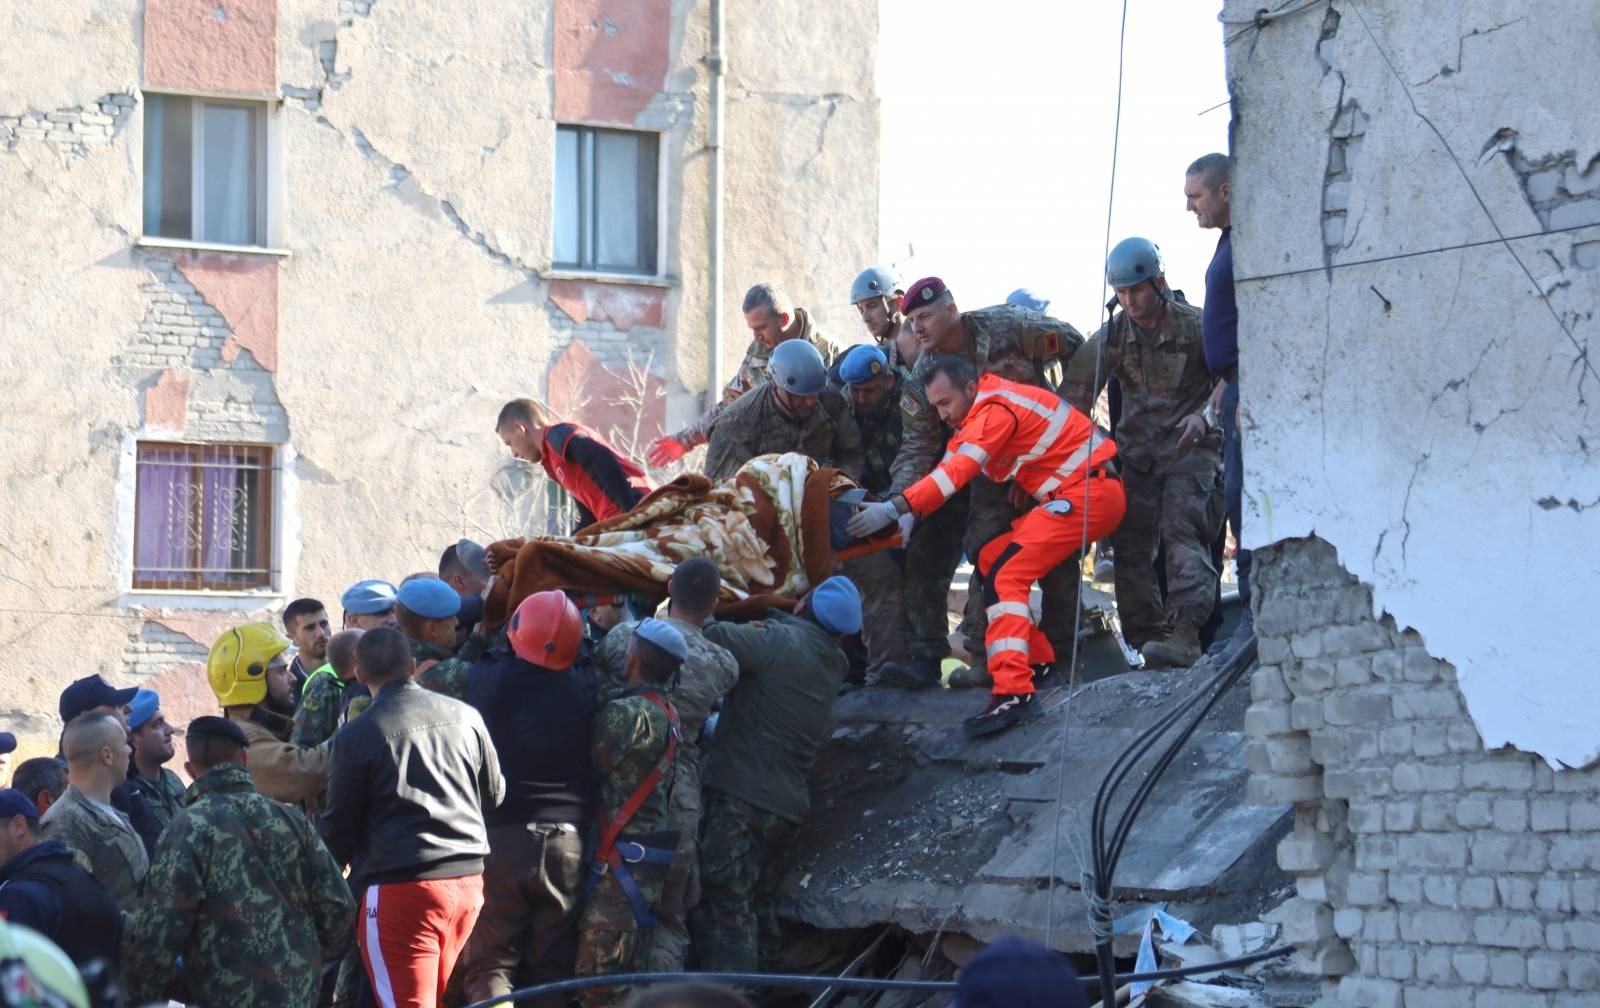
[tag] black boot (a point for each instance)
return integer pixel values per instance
(1003, 711)
(918, 673)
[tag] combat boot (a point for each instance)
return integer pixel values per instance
(973, 676)
(1180, 648)
(918, 673)
(1001, 713)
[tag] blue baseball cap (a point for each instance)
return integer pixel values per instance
(664, 636)
(861, 364)
(143, 707)
(1013, 973)
(368, 598)
(1023, 297)
(15, 803)
(90, 692)
(837, 605)
(429, 598)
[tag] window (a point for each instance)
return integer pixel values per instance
(205, 170)
(605, 216)
(203, 517)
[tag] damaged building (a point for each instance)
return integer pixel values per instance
(272, 267)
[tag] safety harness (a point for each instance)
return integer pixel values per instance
(614, 854)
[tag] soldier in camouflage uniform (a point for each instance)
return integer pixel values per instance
(790, 668)
(706, 676)
(317, 716)
(773, 319)
(876, 295)
(103, 841)
(1169, 450)
(794, 412)
(248, 896)
(634, 737)
(942, 329)
(426, 611)
(874, 389)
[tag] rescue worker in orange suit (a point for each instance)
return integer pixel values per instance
(603, 484)
(1051, 453)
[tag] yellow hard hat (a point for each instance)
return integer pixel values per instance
(237, 665)
(35, 972)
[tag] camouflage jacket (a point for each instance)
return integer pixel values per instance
(752, 372)
(103, 842)
(1164, 378)
(244, 891)
(705, 678)
(449, 673)
(881, 437)
(753, 426)
(165, 793)
(317, 717)
(1045, 340)
(629, 739)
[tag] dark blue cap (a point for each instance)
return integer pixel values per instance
(90, 692)
(15, 803)
(430, 598)
(8, 742)
(143, 707)
(1013, 973)
(837, 605)
(368, 598)
(664, 636)
(862, 364)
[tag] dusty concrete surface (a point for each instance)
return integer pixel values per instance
(917, 825)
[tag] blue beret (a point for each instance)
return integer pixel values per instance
(368, 598)
(1022, 297)
(15, 803)
(1020, 974)
(862, 364)
(8, 742)
(837, 605)
(664, 636)
(143, 707)
(430, 598)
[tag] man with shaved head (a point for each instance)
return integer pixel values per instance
(96, 748)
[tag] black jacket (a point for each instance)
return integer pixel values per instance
(44, 888)
(429, 823)
(539, 721)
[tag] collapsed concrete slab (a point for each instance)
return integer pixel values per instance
(918, 826)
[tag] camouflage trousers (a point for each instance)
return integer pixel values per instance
(742, 861)
(932, 557)
(992, 515)
(610, 939)
(882, 581)
(666, 946)
(1183, 512)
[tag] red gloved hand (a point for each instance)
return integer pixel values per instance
(665, 450)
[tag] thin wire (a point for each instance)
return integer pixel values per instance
(1083, 539)
(1583, 351)
(1265, 17)
(1412, 255)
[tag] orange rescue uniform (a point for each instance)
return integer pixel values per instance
(1026, 434)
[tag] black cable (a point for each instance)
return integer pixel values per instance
(798, 981)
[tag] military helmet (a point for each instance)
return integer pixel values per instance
(796, 367)
(34, 971)
(237, 665)
(1132, 262)
(874, 281)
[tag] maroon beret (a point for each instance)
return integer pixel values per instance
(922, 292)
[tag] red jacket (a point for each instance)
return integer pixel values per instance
(603, 483)
(1016, 432)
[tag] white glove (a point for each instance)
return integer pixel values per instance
(908, 521)
(871, 518)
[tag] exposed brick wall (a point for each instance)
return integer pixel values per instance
(72, 129)
(1428, 871)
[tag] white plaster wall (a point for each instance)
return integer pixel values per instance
(1428, 415)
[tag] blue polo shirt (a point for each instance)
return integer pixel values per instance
(1219, 319)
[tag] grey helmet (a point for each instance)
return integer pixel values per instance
(875, 281)
(1132, 262)
(796, 367)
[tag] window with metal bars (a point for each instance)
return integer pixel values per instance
(203, 517)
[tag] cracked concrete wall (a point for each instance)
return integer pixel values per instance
(1416, 202)
(416, 297)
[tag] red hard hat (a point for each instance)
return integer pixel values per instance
(545, 630)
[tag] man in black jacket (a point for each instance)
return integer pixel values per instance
(411, 780)
(42, 886)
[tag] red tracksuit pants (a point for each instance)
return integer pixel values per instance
(1038, 542)
(411, 934)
